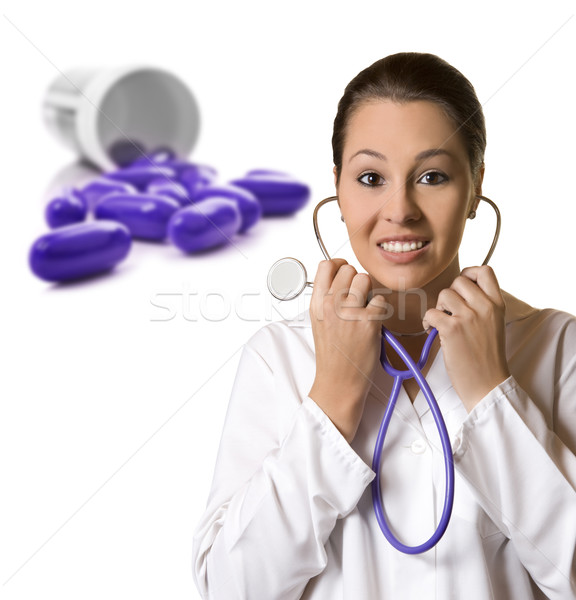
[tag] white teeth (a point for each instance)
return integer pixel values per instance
(401, 246)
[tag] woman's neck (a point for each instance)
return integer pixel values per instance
(408, 306)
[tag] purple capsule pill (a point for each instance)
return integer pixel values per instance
(257, 172)
(80, 250)
(206, 172)
(278, 194)
(249, 205)
(194, 177)
(140, 177)
(204, 225)
(172, 189)
(158, 157)
(145, 215)
(125, 151)
(101, 187)
(67, 208)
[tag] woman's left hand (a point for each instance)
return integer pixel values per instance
(469, 317)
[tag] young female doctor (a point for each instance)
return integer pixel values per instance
(290, 511)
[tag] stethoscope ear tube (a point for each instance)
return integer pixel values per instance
(316, 228)
(498, 225)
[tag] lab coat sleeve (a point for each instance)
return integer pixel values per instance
(279, 488)
(524, 476)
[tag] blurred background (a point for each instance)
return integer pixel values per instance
(114, 390)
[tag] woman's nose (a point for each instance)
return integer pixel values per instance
(399, 207)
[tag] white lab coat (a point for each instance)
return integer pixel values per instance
(290, 511)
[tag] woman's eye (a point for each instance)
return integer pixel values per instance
(433, 178)
(371, 179)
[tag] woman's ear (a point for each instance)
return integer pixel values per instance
(335, 171)
(477, 191)
(479, 180)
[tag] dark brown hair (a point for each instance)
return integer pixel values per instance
(409, 76)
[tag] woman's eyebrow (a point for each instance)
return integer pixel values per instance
(432, 152)
(369, 152)
(420, 156)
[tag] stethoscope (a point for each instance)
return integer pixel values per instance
(287, 279)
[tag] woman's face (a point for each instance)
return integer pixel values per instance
(405, 192)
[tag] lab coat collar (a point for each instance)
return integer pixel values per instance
(516, 309)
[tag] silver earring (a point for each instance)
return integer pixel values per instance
(342, 218)
(472, 214)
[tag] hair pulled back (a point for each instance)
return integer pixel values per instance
(410, 76)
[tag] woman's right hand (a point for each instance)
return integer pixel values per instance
(347, 339)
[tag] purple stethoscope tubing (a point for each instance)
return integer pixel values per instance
(414, 370)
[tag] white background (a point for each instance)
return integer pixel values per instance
(112, 405)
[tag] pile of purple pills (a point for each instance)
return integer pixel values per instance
(155, 198)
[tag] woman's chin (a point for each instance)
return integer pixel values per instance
(399, 283)
(402, 278)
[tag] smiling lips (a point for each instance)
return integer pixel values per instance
(401, 246)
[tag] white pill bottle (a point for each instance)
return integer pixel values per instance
(110, 117)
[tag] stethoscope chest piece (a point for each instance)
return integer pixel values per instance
(287, 278)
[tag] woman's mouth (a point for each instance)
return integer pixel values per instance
(400, 247)
(403, 251)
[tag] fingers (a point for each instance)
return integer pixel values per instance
(347, 290)
(435, 318)
(325, 274)
(451, 302)
(476, 287)
(475, 291)
(379, 309)
(341, 279)
(485, 278)
(351, 288)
